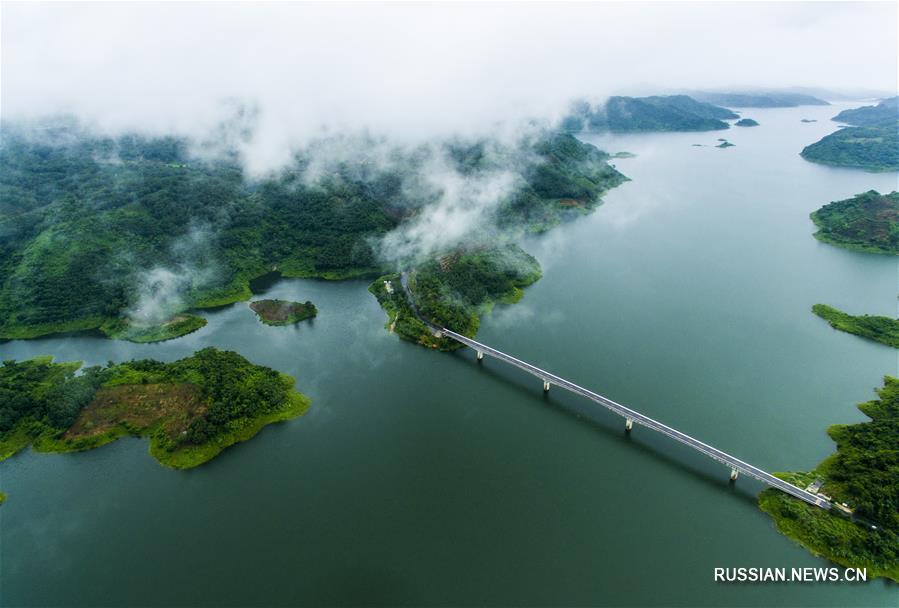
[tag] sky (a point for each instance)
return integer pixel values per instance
(413, 70)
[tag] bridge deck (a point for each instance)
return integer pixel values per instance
(641, 419)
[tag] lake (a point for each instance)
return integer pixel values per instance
(426, 478)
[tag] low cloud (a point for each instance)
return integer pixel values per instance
(410, 71)
(163, 290)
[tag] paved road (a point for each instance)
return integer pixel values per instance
(629, 414)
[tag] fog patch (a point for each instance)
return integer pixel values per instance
(164, 290)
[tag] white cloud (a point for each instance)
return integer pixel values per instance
(412, 70)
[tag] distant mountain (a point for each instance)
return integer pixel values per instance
(639, 114)
(884, 113)
(760, 100)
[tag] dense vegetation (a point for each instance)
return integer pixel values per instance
(453, 290)
(869, 148)
(100, 232)
(863, 473)
(760, 100)
(401, 318)
(657, 113)
(283, 312)
(191, 409)
(872, 144)
(883, 114)
(865, 222)
(746, 122)
(881, 329)
(177, 326)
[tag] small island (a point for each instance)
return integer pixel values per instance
(725, 144)
(862, 477)
(808, 120)
(880, 329)
(190, 409)
(866, 222)
(746, 122)
(283, 312)
(142, 332)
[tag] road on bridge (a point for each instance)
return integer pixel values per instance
(631, 416)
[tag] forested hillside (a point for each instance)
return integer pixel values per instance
(873, 144)
(884, 113)
(99, 232)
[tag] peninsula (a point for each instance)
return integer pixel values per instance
(871, 144)
(880, 329)
(863, 478)
(137, 331)
(453, 290)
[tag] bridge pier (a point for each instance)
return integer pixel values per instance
(628, 424)
(546, 386)
(480, 355)
(733, 474)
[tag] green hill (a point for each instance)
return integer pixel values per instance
(883, 114)
(131, 231)
(873, 148)
(865, 222)
(657, 113)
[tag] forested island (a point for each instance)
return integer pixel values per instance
(863, 474)
(283, 312)
(871, 144)
(190, 409)
(641, 114)
(124, 235)
(746, 122)
(866, 222)
(880, 329)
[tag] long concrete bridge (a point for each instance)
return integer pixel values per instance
(630, 416)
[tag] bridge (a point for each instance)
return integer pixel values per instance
(630, 416)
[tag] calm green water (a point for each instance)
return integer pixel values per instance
(421, 478)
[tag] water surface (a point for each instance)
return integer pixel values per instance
(422, 478)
